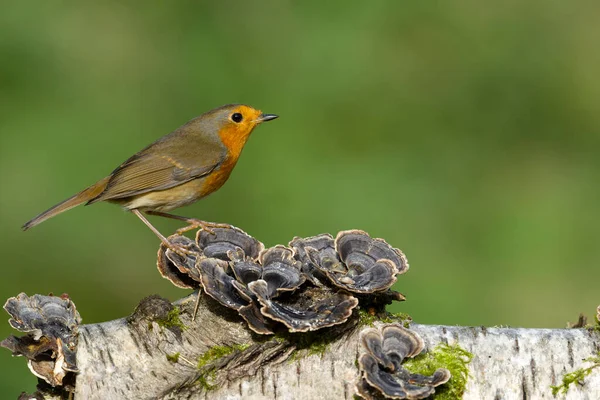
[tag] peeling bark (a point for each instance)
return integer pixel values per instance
(148, 356)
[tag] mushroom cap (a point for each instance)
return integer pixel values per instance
(381, 364)
(358, 250)
(400, 342)
(232, 293)
(219, 285)
(307, 310)
(256, 321)
(52, 326)
(365, 265)
(318, 242)
(224, 242)
(181, 271)
(280, 270)
(399, 385)
(322, 243)
(246, 271)
(42, 315)
(392, 344)
(366, 391)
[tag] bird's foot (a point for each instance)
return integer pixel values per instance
(181, 250)
(204, 225)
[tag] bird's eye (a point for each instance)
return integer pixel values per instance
(237, 117)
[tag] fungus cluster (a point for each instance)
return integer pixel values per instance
(381, 373)
(310, 284)
(51, 327)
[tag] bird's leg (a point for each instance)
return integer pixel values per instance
(182, 251)
(193, 222)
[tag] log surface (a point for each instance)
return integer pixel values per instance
(127, 358)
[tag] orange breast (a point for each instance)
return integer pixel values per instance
(218, 177)
(234, 138)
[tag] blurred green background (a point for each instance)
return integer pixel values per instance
(465, 134)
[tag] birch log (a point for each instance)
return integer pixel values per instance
(141, 358)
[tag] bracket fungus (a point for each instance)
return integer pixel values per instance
(221, 243)
(219, 283)
(51, 327)
(227, 282)
(276, 267)
(381, 371)
(323, 246)
(314, 283)
(352, 261)
(309, 310)
(371, 265)
(181, 271)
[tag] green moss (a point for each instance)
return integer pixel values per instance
(306, 343)
(366, 318)
(317, 347)
(453, 358)
(576, 376)
(402, 318)
(173, 357)
(172, 320)
(213, 354)
(203, 380)
(594, 328)
(278, 337)
(216, 352)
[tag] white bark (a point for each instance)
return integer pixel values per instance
(127, 359)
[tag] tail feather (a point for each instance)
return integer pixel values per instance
(82, 197)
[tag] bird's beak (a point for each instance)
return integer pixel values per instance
(267, 117)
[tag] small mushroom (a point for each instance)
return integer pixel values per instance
(180, 270)
(381, 365)
(219, 285)
(356, 247)
(51, 324)
(256, 321)
(367, 265)
(276, 265)
(366, 391)
(307, 310)
(246, 271)
(279, 269)
(223, 287)
(323, 248)
(223, 242)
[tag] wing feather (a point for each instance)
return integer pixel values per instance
(158, 168)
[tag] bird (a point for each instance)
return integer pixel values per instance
(178, 169)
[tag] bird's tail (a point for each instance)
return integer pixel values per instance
(82, 197)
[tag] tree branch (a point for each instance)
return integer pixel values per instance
(289, 322)
(159, 352)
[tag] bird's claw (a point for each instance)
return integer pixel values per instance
(204, 225)
(181, 250)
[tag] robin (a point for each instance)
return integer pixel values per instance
(178, 169)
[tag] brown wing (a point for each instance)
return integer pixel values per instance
(159, 167)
